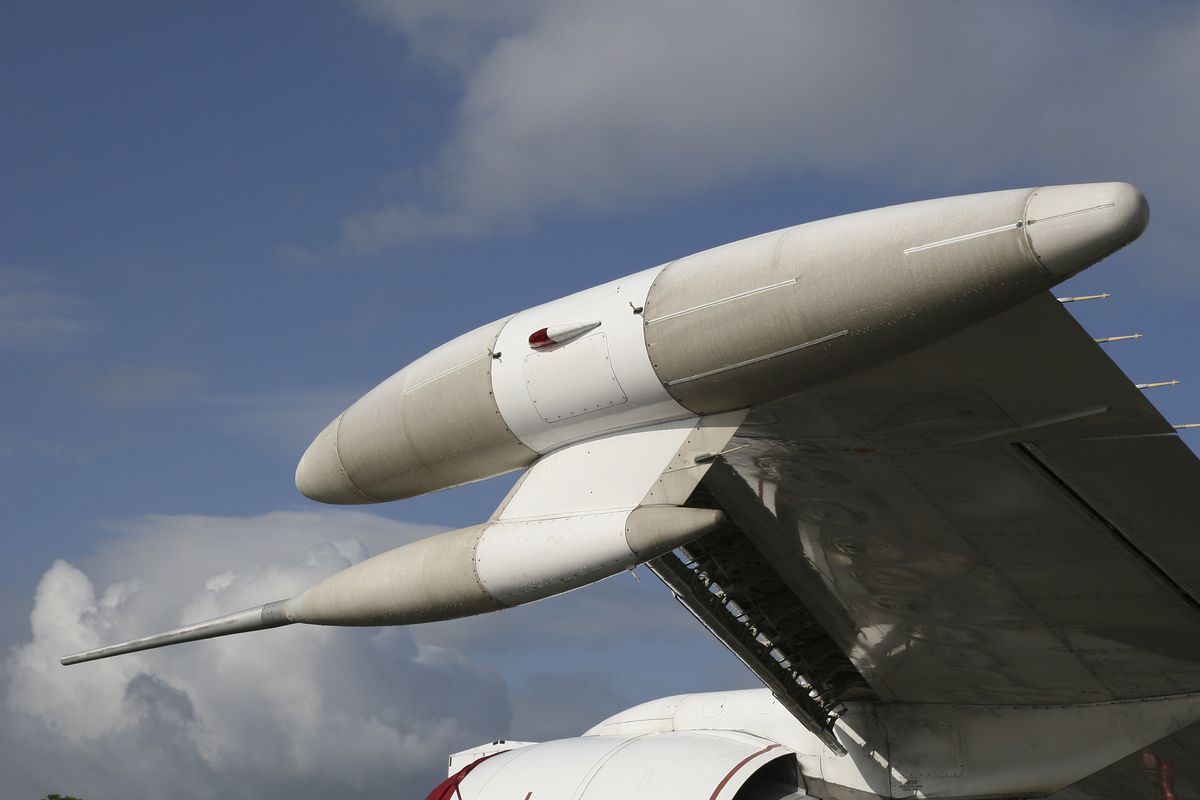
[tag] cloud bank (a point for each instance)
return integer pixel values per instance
(293, 712)
(590, 107)
(301, 711)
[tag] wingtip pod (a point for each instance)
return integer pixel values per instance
(270, 615)
(449, 576)
(496, 565)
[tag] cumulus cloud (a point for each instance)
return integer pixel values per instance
(590, 107)
(300, 711)
(36, 313)
(456, 33)
(293, 711)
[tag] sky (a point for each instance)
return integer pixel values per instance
(223, 222)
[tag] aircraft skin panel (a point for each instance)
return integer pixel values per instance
(598, 476)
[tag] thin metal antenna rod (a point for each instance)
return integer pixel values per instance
(252, 619)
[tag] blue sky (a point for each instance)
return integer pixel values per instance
(223, 222)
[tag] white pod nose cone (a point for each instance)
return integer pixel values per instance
(1071, 227)
(320, 475)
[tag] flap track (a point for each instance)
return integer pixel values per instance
(727, 584)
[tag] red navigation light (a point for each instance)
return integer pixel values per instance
(540, 338)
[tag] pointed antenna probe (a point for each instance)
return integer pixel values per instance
(1082, 297)
(252, 619)
(1106, 339)
(1156, 384)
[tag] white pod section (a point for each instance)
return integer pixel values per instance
(597, 382)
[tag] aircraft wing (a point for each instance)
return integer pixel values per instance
(999, 518)
(581, 513)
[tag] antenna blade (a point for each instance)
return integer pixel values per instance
(259, 618)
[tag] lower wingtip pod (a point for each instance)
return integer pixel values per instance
(450, 575)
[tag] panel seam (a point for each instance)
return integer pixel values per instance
(757, 359)
(1032, 454)
(730, 298)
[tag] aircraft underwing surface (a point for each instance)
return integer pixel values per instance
(999, 518)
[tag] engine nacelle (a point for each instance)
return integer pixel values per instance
(705, 765)
(899, 751)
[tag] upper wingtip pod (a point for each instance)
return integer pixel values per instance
(1073, 226)
(320, 475)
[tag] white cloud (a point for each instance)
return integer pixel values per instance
(456, 33)
(286, 708)
(37, 314)
(589, 107)
(303, 711)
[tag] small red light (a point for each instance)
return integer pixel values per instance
(540, 338)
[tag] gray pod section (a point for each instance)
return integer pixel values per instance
(432, 425)
(770, 316)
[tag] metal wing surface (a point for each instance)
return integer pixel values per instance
(999, 518)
